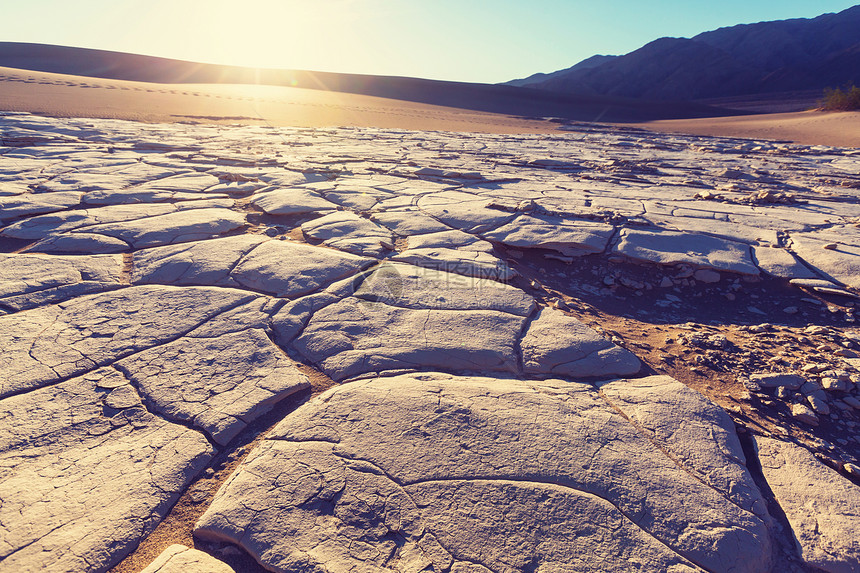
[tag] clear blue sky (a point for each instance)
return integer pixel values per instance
(467, 40)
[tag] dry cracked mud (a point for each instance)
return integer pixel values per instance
(354, 349)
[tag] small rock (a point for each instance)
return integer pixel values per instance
(707, 276)
(818, 404)
(834, 384)
(759, 328)
(852, 401)
(803, 414)
(809, 388)
(852, 469)
(814, 368)
(815, 329)
(831, 246)
(778, 379)
(783, 393)
(790, 310)
(666, 283)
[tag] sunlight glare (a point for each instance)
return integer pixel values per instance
(267, 33)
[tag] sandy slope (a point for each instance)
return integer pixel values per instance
(807, 127)
(75, 96)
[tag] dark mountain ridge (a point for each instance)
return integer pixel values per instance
(767, 57)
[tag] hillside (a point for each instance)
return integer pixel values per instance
(767, 57)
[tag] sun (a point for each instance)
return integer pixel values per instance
(267, 33)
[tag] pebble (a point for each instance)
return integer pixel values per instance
(790, 310)
(852, 469)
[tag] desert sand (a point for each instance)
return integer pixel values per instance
(840, 129)
(63, 95)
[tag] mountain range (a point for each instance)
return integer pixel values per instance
(763, 58)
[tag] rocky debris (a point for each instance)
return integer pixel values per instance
(456, 473)
(822, 507)
(181, 559)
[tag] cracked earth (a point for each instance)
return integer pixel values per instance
(358, 349)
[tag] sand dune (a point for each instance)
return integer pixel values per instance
(808, 127)
(468, 96)
(75, 96)
(63, 95)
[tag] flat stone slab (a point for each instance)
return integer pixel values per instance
(668, 248)
(841, 263)
(347, 231)
(217, 384)
(559, 345)
(87, 472)
(459, 471)
(292, 202)
(280, 268)
(35, 228)
(47, 344)
(402, 316)
(182, 559)
(181, 227)
(27, 280)
(571, 238)
(822, 507)
(461, 261)
(463, 211)
(780, 263)
(354, 337)
(694, 431)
